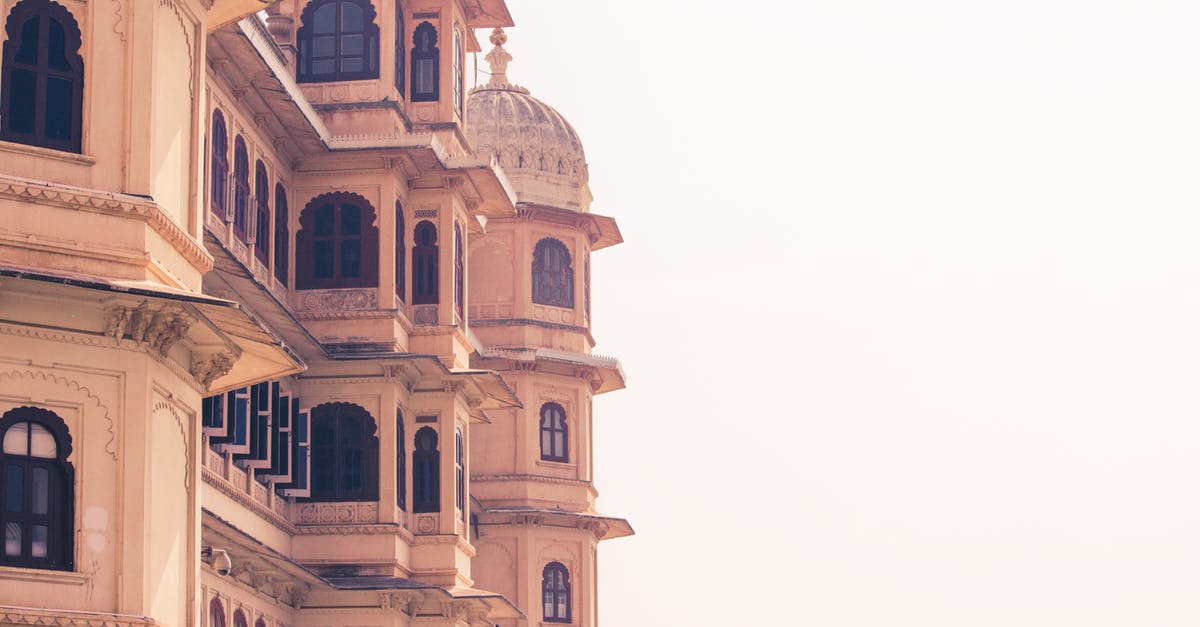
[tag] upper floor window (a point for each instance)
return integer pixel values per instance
(401, 474)
(400, 49)
(338, 243)
(216, 613)
(239, 619)
(260, 623)
(458, 72)
(219, 172)
(556, 593)
(41, 87)
(554, 433)
(426, 485)
(401, 268)
(37, 489)
(241, 187)
(425, 65)
(338, 41)
(281, 233)
(425, 264)
(262, 223)
(587, 288)
(553, 277)
(345, 454)
(460, 474)
(460, 272)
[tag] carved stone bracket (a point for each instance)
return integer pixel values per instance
(209, 368)
(158, 328)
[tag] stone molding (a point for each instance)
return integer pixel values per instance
(110, 445)
(338, 300)
(345, 513)
(110, 204)
(10, 615)
(228, 489)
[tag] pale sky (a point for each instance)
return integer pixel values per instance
(909, 304)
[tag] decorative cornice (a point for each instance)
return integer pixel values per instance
(10, 615)
(110, 204)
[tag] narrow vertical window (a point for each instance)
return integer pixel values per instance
(400, 48)
(556, 593)
(458, 72)
(281, 234)
(401, 266)
(338, 40)
(241, 188)
(239, 619)
(219, 172)
(401, 474)
(460, 274)
(338, 243)
(424, 60)
(587, 287)
(345, 454)
(262, 222)
(554, 433)
(37, 488)
(216, 613)
(425, 264)
(460, 476)
(426, 485)
(41, 87)
(553, 276)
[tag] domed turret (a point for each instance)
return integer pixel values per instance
(536, 146)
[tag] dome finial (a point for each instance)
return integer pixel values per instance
(498, 59)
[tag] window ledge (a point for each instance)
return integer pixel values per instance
(66, 577)
(563, 465)
(48, 153)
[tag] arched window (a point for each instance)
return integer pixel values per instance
(41, 91)
(425, 264)
(425, 471)
(556, 593)
(458, 72)
(587, 287)
(553, 277)
(260, 623)
(262, 203)
(401, 268)
(400, 49)
(554, 433)
(338, 41)
(218, 192)
(425, 66)
(460, 276)
(216, 613)
(345, 454)
(401, 474)
(241, 187)
(38, 490)
(281, 234)
(338, 243)
(460, 475)
(239, 619)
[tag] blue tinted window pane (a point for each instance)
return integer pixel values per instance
(22, 101)
(57, 47)
(40, 491)
(38, 547)
(353, 64)
(325, 19)
(323, 67)
(323, 260)
(12, 539)
(58, 107)
(324, 225)
(30, 31)
(14, 489)
(351, 220)
(351, 259)
(352, 18)
(323, 47)
(352, 45)
(351, 469)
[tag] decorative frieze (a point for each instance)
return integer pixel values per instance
(336, 513)
(337, 300)
(425, 315)
(159, 328)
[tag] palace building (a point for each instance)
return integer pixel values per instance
(295, 329)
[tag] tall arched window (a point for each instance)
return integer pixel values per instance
(345, 454)
(587, 287)
(401, 474)
(425, 471)
(338, 243)
(41, 90)
(241, 187)
(37, 488)
(262, 224)
(425, 264)
(219, 172)
(239, 619)
(401, 267)
(338, 41)
(556, 593)
(400, 47)
(281, 234)
(260, 623)
(460, 275)
(425, 66)
(553, 277)
(554, 433)
(216, 613)
(458, 72)
(460, 475)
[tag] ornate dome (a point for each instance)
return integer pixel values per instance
(538, 149)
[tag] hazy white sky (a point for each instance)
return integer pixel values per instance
(909, 303)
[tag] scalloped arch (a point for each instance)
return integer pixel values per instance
(110, 445)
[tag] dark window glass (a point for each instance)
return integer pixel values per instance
(241, 188)
(281, 234)
(425, 471)
(460, 274)
(41, 89)
(239, 619)
(220, 165)
(36, 489)
(556, 593)
(458, 72)
(425, 63)
(460, 475)
(216, 613)
(345, 454)
(338, 244)
(553, 276)
(401, 475)
(425, 264)
(262, 203)
(401, 267)
(338, 40)
(554, 433)
(400, 47)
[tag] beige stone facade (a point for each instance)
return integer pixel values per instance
(294, 328)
